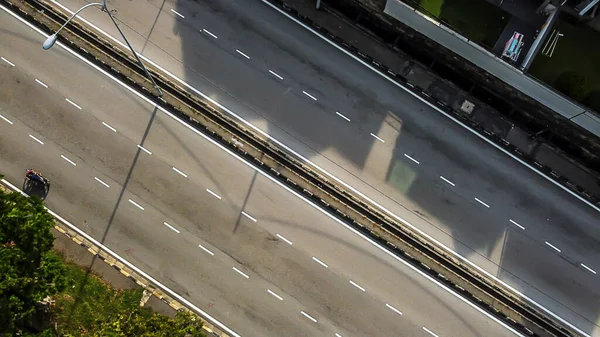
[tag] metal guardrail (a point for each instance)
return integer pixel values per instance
(289, 170)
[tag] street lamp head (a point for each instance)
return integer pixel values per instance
(49, 41)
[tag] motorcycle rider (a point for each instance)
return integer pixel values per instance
(35, 176)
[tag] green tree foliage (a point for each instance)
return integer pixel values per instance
(142, 322)
(29, 269)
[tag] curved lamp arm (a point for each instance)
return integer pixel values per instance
(52, 38)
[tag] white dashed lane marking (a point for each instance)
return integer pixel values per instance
(483, 203)
(213, 194)
(73, 103)
(6, 120)
(393, 309)
(171, 227)
(101, 182)
(248, 216)
(379, 139)
(136, 204)
(275, 74)
(41, 83)
(344, 117)
(177, 13)
(448, 181)
(552, 246)
(309, 95)
(68, 160)
(209, 33)
(144, 149)
(179, 171)
(37, 140)
(319, 262)
(244, 55)
(411, 158)
(206, 250)
(284, 239)
(241, 273)
(430, 332)
(589, 269)
(356, 285)
(109, 127)
(7, 61)
(275, 295)
(308, 316)
(516, 224)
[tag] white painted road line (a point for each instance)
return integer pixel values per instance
(411, 158)
(516, 224)
(240, 272)
(101, 182)
(483, 203)
(144, 149)
(214, 194)
(344, 117)
(309, 95)
(552, 246)
(41, 83)
(136, 204)
(315, 206)
(448, 181)
(173, 228)
(6, 120)
(7, 61)
(308, 316)
(73, 103)
(356, 285)
(337, 335)
(244, 55)
(430, 332)
(209, 33)
(275, 295)
(109, 127)
(379, 139)
(275, 74)
(206, 250)
(179, 171)
(319, 262)
(284, 239)
(394, 309)
(37, 140)
(68, 160)
(589, 269)
(248, 216)
(178, 14)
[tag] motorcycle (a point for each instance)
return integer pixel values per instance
(36, 178)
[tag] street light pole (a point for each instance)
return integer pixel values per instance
(52, 39)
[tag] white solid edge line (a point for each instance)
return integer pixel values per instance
(284, 239)
(177, 13)
(488, 274)
(109, 127)
(209, 33)
(129, 264)
(247, 215)
(483, 203)
(6, 120)
(411, 158)
(241, 272)
(552, 246)
(275, 74)
(68, 160)
(344, 117)
(275, 295)
(41, 83)
(214, 194)
(179, 171)
(7, 61)
(34, 138)
(308, 316)
(136, 204)
(206, 250)
(430, 332)
(588, 268)
(101, 182)
(172, 228)
(376, 137)
(393, 309)
(73, 103)
(285, 187)
(357, 286)
(448, 181)
(144, 149)
(320, 262)
(516, 224)
(244, 55)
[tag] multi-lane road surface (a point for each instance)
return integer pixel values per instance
(198, 219)
(379, 140)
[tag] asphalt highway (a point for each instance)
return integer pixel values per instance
(204, 223)
(379, 140)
